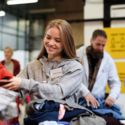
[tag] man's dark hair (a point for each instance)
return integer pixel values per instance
(99, 32)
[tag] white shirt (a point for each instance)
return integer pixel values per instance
(107, 74)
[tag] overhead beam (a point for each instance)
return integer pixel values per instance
(49, 10)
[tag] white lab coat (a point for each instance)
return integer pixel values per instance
(107, 74)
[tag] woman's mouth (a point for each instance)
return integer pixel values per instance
(50, 48)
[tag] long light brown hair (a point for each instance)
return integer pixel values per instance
(67, 39)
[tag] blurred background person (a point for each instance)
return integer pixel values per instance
(14, 67)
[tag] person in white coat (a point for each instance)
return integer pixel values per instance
(99, 69)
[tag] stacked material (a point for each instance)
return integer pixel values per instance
(8, 106)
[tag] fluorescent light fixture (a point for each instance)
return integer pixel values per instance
(2, 13)
(13, 2)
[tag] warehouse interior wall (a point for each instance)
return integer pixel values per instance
(68, 10)
(13, 33)
(25, 35)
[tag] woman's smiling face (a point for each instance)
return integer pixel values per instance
(53, 44)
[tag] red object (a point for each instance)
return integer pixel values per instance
(5, 74)
(4, 123)
(16, 66)
(28, 98)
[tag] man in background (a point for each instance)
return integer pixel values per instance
(99, 69)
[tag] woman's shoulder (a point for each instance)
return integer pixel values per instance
(74, 64)
(15, 61)
(34, 64)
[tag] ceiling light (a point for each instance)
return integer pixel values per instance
(2, 13)
(13, 2)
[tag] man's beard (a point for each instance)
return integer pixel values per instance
(97, 54)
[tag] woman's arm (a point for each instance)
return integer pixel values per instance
(67, 85)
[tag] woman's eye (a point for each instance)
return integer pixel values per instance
(48, 37)
(58, 41)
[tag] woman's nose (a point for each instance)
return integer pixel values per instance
(51, 42)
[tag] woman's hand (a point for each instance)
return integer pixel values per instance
(90, 98)
(12, 84)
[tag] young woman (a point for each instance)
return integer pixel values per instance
(57, 72)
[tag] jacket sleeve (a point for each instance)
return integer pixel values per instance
(113, 81)
(84, 89)
(79, 53)
(17, 69)
(23, 74)
(67, 85)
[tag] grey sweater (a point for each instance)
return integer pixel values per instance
(64, 87)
